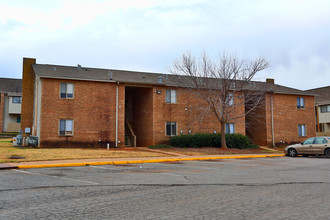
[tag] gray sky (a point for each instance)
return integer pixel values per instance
(147, 35)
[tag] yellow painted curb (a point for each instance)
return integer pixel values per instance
(141, 161)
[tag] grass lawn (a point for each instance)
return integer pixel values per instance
(35, 154)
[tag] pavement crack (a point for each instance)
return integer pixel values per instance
(187, 179)
(165, 185)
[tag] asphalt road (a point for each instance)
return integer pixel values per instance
(258, 188)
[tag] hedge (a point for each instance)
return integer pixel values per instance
(210, 140)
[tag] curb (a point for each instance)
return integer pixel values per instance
(141, 161)
(4, 166)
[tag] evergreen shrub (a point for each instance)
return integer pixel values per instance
(211, 140)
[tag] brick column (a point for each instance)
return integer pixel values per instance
(27, 93)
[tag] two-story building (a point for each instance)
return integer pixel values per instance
(286, 116)
(10, 104)
(322, 109)
(79, 106)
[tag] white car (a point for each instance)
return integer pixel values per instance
(311, 146)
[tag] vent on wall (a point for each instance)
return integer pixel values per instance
(110, 74)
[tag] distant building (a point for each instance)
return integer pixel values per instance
(322, 109)
(10, 104)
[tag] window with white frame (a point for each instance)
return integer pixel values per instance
(171, 128)
(66, 127)
(230, 128)
(300, 102)
(16, 99)
(170, 96)
(66, 90)
(325, 108)
(302, 130)
(230, 99)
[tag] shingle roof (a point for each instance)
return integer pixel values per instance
(9, 85)
(134, 77)
(323, 93)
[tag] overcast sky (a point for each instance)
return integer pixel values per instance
(148, 35)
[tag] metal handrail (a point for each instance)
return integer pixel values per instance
(131, 134)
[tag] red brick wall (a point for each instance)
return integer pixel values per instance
(286, 117)
(27, 93)
(92, 109)
(186, 112)
(121, 114)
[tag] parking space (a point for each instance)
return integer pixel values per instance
(242, 171)
(262, 188)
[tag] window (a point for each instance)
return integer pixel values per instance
(66, 90)
(170, 128)
(18, 120)
(16, 99)
(230, 128)
(325, 108)
(302, 130)
(170, 96)
(308, 141)
(300, 102)
(66, 127)
(230, 99)
(320, 140)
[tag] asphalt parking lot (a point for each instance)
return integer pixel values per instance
(256, 188)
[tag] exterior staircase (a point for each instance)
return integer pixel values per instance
(130, 137)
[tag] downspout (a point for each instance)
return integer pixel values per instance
(116, 144)
(272, 111)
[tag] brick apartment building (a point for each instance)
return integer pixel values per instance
(322, 109)
(79, 106)
(10, 104)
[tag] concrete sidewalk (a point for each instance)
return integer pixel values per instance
(118, 161)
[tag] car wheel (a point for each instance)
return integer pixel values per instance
(327, 153)
(292, 152)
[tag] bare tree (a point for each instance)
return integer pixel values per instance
(225, 84)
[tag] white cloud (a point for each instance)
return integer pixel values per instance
(308, 73)
(150, 34)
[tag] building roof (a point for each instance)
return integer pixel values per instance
(134, 77)
(9, 85)
(323, 95)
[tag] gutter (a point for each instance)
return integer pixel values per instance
(116, 143)
(272, 115)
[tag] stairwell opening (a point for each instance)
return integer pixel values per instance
(138, 116)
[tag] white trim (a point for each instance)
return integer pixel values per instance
(39, 92)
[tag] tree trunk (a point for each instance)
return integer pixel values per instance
(223, 135)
